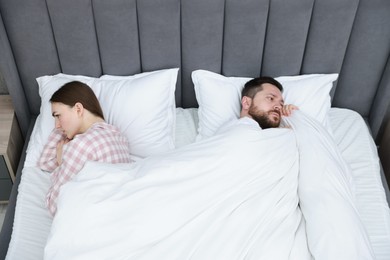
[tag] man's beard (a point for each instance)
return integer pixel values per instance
(263, 118)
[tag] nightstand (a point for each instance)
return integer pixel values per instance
(11, 145)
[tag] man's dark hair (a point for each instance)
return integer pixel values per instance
(255, 85)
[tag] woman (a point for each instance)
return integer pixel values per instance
(80, 135)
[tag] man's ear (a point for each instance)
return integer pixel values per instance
(246, 102)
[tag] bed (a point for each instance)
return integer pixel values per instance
(197, 52)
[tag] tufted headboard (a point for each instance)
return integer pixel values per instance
(231, 37)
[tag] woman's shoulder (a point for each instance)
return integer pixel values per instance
(97, 133)
(103, 125)
(105, 128)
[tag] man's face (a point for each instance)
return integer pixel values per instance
(266, 106)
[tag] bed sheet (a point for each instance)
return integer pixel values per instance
(359, 150)
(32, 221)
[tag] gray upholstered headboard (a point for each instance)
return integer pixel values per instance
(231, 37)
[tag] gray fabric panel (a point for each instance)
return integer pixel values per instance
(287, 30)
(117, 33)
(324, 52)
(381, 106)
(244, 34)
(75, 36)
(12, 80)
(202, 41)
(29, 31)
(366, 57)
(159, 29)
(330, 29)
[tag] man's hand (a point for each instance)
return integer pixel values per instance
(287, 109)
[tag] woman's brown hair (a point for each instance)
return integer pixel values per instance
(76, 91)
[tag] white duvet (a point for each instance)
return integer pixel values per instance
(232, 196)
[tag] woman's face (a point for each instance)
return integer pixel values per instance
(66, 118)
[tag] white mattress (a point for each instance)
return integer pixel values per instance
(32, 221)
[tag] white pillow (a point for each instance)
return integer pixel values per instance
(142, 106)
(219, 97)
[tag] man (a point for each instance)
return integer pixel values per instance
(262, 101)
(262, 104)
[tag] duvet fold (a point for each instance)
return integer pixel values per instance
(326, 192)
